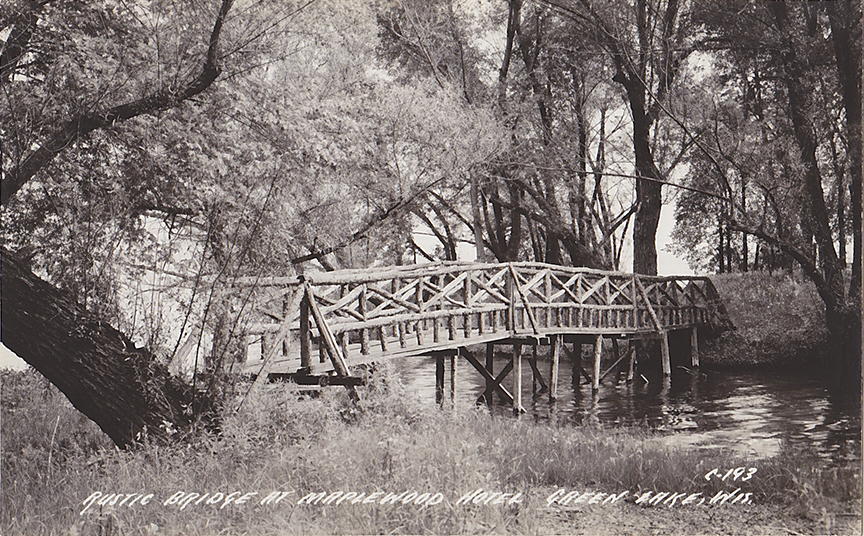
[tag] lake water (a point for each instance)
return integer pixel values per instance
(752, 413)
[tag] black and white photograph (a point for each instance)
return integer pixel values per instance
(529, 267)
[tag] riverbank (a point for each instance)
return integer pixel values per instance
(779, 317)
(395, 465)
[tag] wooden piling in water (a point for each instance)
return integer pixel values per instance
(454, 359)
(664, 353)
(556, 357)
(490, 365)
(632, 366)
(598, 353)
(534, 370)
(439, 378)
(517, 379)
(305, 354)
(694, 347)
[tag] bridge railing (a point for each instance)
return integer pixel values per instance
(402, 309)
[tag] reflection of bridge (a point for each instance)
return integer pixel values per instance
(326, 323)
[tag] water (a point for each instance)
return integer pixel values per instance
(752, 413)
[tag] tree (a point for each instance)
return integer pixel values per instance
(534, 200)
(302, 149)
(646, 42)
(120, 387)
(798, 102)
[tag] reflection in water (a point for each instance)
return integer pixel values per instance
(752, 413)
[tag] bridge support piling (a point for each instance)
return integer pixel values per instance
(556, 357)
(598, 353)
(536, 375)
(305, 353)
(664, 349)
(694, 347)
(517, 379)
(534, 372)
(490, 365)
(439, 378)
(631, 368)
(454, 360)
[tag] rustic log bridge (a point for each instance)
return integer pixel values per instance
(359, 317)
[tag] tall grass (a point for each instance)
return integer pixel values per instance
(779, 319)
(284, 440)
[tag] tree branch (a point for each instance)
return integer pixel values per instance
(85, 123)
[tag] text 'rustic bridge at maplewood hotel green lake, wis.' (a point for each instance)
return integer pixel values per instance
(316, 328)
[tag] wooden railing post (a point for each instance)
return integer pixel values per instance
(364, 333)
(421, 324)
(305, 354)
(466, 318)
(548, 293)
(511, 301)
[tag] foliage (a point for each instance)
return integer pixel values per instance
(304, 140)
(780, 319)
(778, 188)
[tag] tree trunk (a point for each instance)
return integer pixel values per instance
(16, 42)
(648, 192)
(845, 20)
(129, 394)
(744, 252)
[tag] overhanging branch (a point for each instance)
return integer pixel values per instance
(85, 123)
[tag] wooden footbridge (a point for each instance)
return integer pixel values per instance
(316, 328)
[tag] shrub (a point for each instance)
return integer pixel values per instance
(779, 319)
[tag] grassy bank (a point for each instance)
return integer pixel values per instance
(780, 319)
(53, 462)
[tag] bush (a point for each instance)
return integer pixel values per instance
(779, 319)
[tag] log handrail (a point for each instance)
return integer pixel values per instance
(388, 306)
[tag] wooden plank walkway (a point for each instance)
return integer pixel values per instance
(327, 323)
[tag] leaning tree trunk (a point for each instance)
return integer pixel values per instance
(123, 389)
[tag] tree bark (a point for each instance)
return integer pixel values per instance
(124, 389)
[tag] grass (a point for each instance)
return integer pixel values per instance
(54, 459)
(780, 319)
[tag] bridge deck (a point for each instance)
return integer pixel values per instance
(328, 322)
